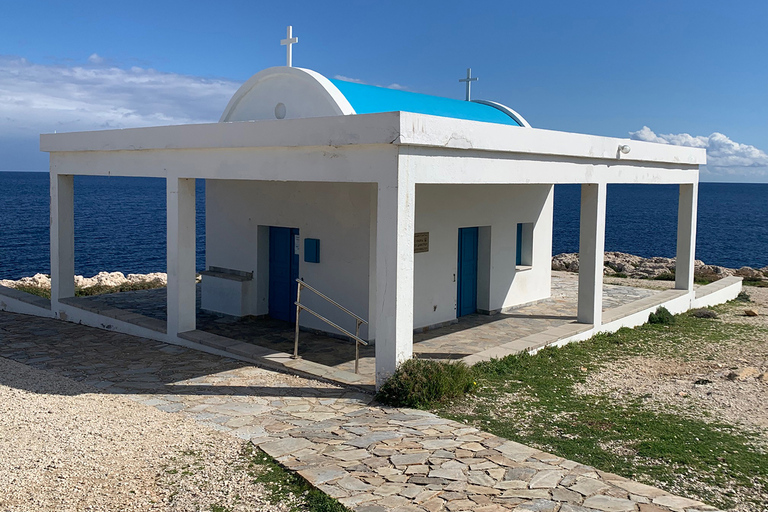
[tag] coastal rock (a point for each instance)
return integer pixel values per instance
(652, 268)
(108, 279)
(748, 273)
(36, 281)
(750, 312)
(568, 261)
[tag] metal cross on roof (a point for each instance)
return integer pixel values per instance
(469, 81)
(288, 42)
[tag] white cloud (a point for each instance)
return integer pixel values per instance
(37, 98)
(348, 79)
(395, 86)
(725, 157)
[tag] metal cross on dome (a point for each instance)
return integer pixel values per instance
(288, 42)
(469, 81)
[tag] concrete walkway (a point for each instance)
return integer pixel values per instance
(371, 458)
(472, 338)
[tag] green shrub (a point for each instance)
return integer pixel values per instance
(422, 383)
(101, 289)
(662, 316)
(702, 313)
(34, 290)
(743, 297)
(665, 276)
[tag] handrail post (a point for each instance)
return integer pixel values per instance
(357, 346)
(298, 312)
(359, 321)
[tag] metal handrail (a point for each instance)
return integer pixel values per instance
(299, 307)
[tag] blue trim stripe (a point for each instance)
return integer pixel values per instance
(368, 99)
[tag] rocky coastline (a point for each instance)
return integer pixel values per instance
(618, 264)
(102, 279)
(621, 264)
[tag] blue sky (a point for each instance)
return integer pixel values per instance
(683, 72)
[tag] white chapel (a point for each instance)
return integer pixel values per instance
(409, 210)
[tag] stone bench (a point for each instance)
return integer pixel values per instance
(226, 291)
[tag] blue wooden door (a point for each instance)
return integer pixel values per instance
(283, 272)
(466, 298)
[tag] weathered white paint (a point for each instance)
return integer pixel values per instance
(14, 301)
(302, 92)
(62, 238)
(227, 296)
(398, 128)
(180, 204)
(395, 217)
(718, 292)
(238, 215)
(686, 236)
(511, 113)
(591, 253)
(442, 209)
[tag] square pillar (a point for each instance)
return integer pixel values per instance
(395, 214)
(591, 253)
(686, 236)
(180, 204)
(62, 238)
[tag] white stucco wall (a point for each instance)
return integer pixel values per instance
(442, 209)
(342, 216)
(338, 214)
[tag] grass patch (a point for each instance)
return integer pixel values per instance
(286, 487)
(423, 383)
(756, 282)
(665, 276)
(100, 289)
(34, 290)
(536, 400)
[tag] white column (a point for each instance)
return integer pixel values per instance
(591, 253)
(394, 276)
(686, 236)
(62, 238)
(180, 204)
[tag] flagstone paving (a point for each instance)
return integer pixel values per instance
(472, 334)
(371, 458)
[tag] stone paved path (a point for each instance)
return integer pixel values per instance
(472, 334)
(371, 458)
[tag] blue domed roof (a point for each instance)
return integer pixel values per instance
(369, 99)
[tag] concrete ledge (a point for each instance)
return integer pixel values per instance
(727, 288)
(16, 301)
(275, 360)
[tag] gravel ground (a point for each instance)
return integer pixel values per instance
(700, 384)
(63, 448)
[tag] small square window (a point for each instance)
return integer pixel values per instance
(312, 250)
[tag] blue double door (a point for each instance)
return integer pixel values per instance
(466, 278)
(283, 272)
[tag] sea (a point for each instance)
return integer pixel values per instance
(120, 223)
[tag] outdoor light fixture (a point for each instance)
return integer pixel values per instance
(624, 149)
